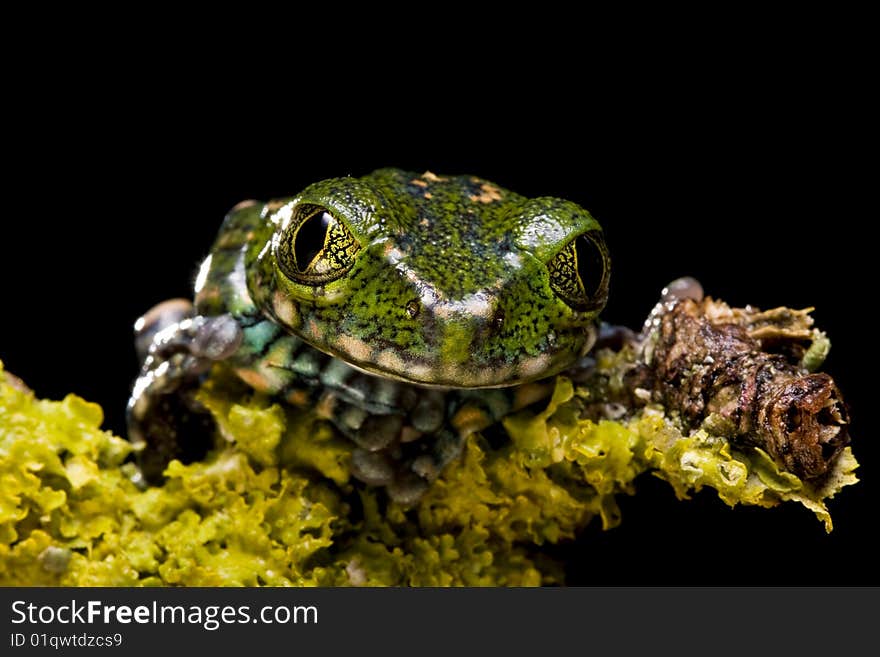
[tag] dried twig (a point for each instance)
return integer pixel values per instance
(747, 372)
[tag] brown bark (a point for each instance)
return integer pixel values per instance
(743, 366)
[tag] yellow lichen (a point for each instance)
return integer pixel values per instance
(273, 504)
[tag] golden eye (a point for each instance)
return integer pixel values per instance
(579, 273)
(316, 247)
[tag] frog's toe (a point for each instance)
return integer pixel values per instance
(156, 319)
(686, 287)
(430, 411)
(378, 432)
(407, 488)
(373, 468)
(426, 467)
(217, 338)
(447, 446)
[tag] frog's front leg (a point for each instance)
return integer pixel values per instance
(177, 348)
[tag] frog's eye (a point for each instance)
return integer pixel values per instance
(579, 273)
(316, 247)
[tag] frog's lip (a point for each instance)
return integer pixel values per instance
(461, 382)
(387, 363)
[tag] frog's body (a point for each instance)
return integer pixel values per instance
(391, 303)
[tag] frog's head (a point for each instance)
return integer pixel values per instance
(444, 281)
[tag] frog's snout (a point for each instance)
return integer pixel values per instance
(472, 308)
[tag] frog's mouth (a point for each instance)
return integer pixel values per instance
(471, 372)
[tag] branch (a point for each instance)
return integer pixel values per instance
(741, 373)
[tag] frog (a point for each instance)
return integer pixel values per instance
(408, 310)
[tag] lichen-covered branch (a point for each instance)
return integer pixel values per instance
(702, 398)
(745, 370)
(738, 372)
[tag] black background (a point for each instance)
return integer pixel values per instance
(744, 175)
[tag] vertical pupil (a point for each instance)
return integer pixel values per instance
(590, 264)
(309, 239)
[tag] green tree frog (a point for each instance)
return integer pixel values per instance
(409, 310)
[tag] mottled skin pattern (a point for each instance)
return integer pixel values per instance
(391, 303)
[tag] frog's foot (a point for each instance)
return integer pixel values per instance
(386, 444)
(406, 450)
(163, 413)
(406, 469)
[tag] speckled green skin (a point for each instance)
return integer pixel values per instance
(450, 286)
